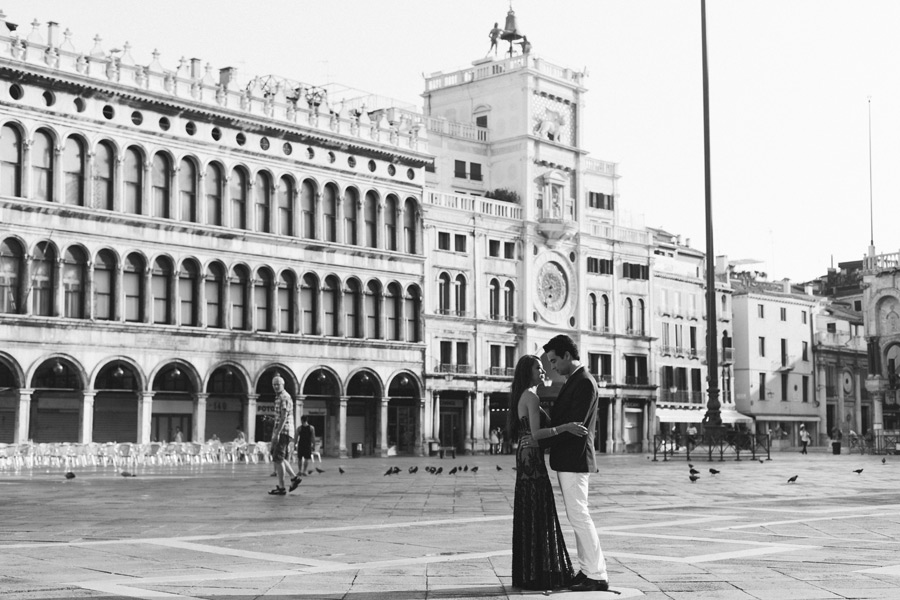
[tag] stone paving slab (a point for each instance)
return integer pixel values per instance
(211, 532)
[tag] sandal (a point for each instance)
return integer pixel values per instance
(279, 491)
(294, 483)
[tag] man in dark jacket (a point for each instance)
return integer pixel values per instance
(572, 458)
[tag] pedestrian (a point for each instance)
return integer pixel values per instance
(804, 439)
(836, 436)
(306, 435)
(572, 457)
(691, 436)
(179, 437)
(495, 441)
(540, 560)
(281, 437)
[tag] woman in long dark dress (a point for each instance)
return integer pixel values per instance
(540, 560)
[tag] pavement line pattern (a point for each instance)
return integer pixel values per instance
(129, 587)
(795, 521)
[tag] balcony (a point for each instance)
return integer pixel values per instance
(637, 380)
(681, 396)
(487, 68)
(603, 380)
(452, 368)
(501, 371)
(842, 340)
(785, 364)
(726, 356)
(600, 328)
(475, 204)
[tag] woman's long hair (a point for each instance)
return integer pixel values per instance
(521, 382)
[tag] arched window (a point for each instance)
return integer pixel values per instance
(308, 210)
(73, 171)
(133, 286)
(286, 206)
(409, 226)
(604, 301)
(11, 261)
(460, 295)
(642, 317)
(330, 302)
(10, 161)
(104, 161)
(353, 308)
(390, 223)
(161, 291)
(286, 286)
(213, 194)
(74, 278)
(187, 190)
(629, 316)
(214, 286)
(133, 174)
(724, 305)
(309, 297)
(188, 292)
(509, 300)
(262, 297)
(42, 166)
(351, 198)
(413, 302)
(370, 216)
(444, 294)
(494, 299)
(373, 311)
(592, 307)
(159, 178)
(262, 195)
(238, 191)
(240, 295)
(392, 305)
(42, 283)
(104, 284)
(329, 212)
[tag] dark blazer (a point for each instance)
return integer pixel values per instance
(577, 402)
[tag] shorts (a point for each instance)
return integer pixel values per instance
(304, 452)
(281, 449)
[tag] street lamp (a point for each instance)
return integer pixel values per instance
(713, 419)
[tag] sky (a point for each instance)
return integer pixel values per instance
(792, 84)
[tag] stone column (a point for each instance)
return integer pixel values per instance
(118, 293)
(420, 446)
(86, 418)
(145, 416)
(298, 412)
(382, 441)
(250, 418)
(620, 425)
(199, 433)
(25, 302)
(486, 420)
(427, 419)
(58, 291)
(610, 426)
(226, 202)
(842, 423)
(822, 397)
(200, 208)
(146, 190)
(645, 441)
(147, 299)
(88, 293)
(23, 416)
(342, 427)
(857, 400)
(436, 415)
(319, 317)
(118, 183)
(478, 425)
(470, 421)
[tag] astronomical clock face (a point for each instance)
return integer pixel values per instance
(848, 383)
(552, 286)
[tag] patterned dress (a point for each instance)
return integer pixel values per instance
(539, 558)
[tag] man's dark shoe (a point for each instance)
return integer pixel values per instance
(278, 491)
(294, 483)
(579, 577)
(590, 585)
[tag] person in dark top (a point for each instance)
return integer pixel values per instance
(306, 438)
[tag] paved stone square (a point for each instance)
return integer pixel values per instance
(211, 531)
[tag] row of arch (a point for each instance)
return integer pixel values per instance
(634, 311)
(121, 373)
(138, 181)
(70, 282)
(452, 296)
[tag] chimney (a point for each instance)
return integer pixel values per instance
(52, 29)
(227, 76)
(687, 242)
(807, 289)
(787, 285)
(196, 69)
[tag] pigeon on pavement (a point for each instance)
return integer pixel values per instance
(318, 470)
(857, 471)
(714, 472)
(127, 474)
(341, 470)
(693, 478)
(474, 469)
(70, 475)
(793, 479)
(498, 468)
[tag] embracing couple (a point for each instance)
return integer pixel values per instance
(540, 560)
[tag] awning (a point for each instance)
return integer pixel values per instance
(695, 415)
(809, 419)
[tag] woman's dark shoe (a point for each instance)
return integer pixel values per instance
(279, 491)
(294, 483)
